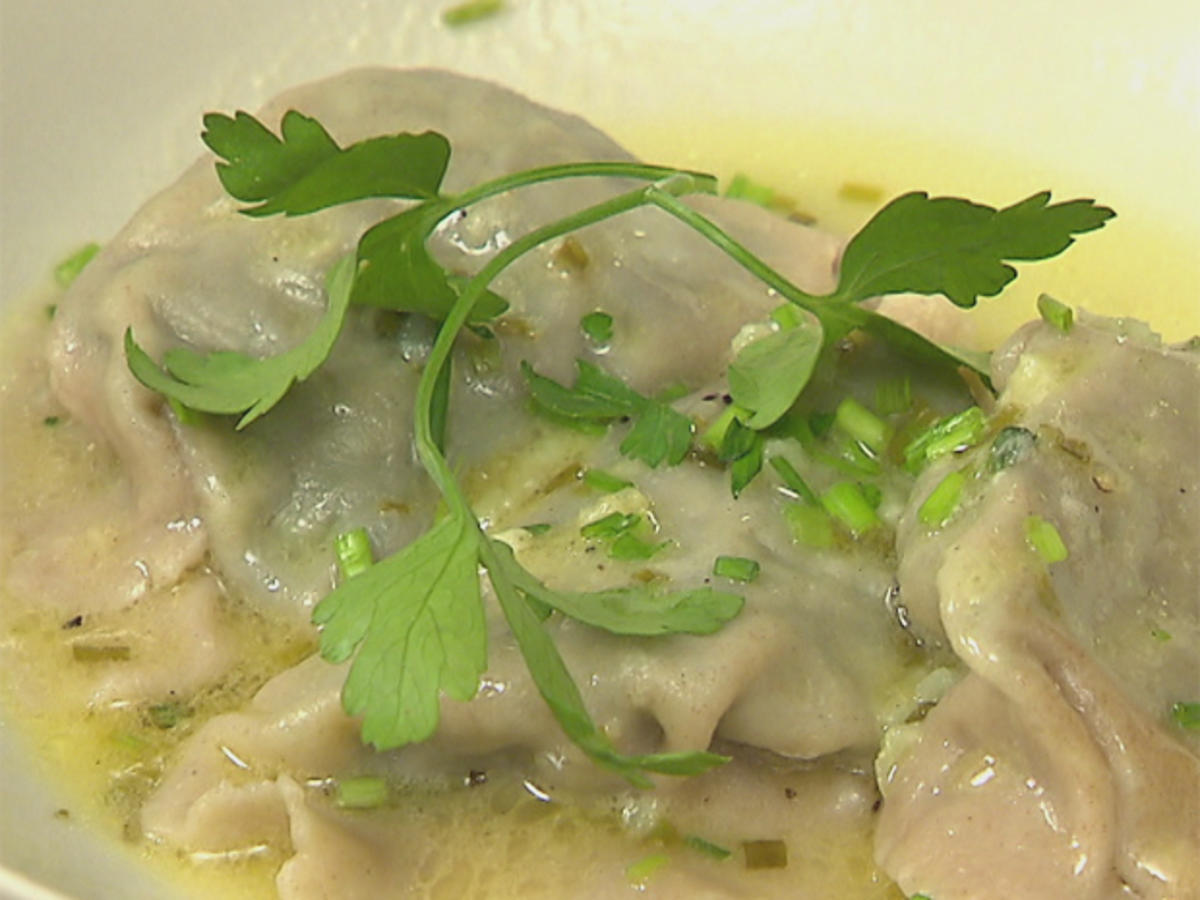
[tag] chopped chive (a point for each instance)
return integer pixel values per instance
(68, 270)
(715, 434)
(473, 11)
(846, 503)
(854, 458)
(89, 653)
(858, 422)
(949, 435)
(920, 897)
(51, 421)
(792, 479)
(605, 481)
(610, 526)
(629, 546)
(353, 551)
(1045, 539)
(598, 326)
(959, 438)
(537, 528)
(51, 310)
(845, 466)
(708, 848)
(642, 869)
(942, 501)
(167, 715)
(1160, 634)
(742, 187)
(1055, 313)
(1186, 715)
(893, 396)
(765, 854)
(736, 568)
(184, 414)
(810, 525)
(748, 462)
(1011, 445)
(362, 792)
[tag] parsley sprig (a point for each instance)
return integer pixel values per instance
(659, 433)
(915, 244)
(416, 617)
(414, 622)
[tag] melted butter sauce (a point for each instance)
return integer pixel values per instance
(110, 759)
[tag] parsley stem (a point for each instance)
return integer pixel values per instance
(723, 241)
(520, 609)
(425, 433)
(705, 183)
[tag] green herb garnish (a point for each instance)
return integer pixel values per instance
(847, 503)
(1055, 312)
(1186, 715)
(472, 11)
(942, 501)
(68, 270)
(736, 568)
(708, 848)
(810, 525)
(598, 326)
(641, 870)
(353, 552)
(915, 244)
(952, 434)
(231, 382)
(894, 396)
(361, 792)
(1011, 445)
(792, 479)
(611, 526)
(1044, 538)
(659, 433)
(859, 423)
(413, 621)
(605, 481)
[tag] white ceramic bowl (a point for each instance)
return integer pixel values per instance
(100, 105)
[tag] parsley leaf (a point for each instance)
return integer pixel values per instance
(395, 612)
(230, 382)
(417, 621)
(639, 610)
(947, 245)
(559, 690)
(396, 270)
(917, 244)
(763, 376)
(304, 170)
(659, 434)
(414, 622)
